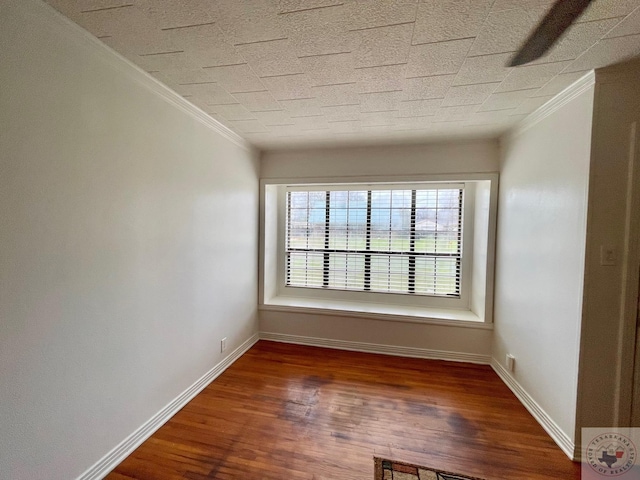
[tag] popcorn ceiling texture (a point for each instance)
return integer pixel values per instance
(294, 72)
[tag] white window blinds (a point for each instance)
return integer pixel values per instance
(384, 239)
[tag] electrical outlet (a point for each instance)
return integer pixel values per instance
(223, 344)
(511, 362)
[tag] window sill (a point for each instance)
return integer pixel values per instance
(375, 311)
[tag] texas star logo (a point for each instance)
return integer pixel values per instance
(611, 454)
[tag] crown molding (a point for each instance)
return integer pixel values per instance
(561, 99)
(57, 22)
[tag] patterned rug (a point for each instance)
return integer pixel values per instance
(390, 470)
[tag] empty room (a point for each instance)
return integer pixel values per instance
(319, 239)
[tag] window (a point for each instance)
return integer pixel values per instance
(415, 249)
(389, 239)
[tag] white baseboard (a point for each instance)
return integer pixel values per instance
(543, 418)
(378, 348)
(107, 463)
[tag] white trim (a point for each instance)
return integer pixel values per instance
(561, 99)
(456, 318)
(555, 432)
(382, 178)
(399, 351)
(360, 295)
(345, 186)
(272, 299)
(626, 393)
(107, 463)
(135, 73)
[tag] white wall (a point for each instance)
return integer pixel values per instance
(540, 258)
(128, 246)
(405, 338)
(456, 157)
(608, 329)
(442, 341)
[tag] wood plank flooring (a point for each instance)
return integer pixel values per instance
(294, 412)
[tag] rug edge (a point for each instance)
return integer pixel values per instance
(377, 471)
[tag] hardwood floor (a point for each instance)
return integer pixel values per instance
(294, 412)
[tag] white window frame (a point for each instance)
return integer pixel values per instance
(378, 297)
(475, 304)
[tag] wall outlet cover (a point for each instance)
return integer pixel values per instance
(511, 362)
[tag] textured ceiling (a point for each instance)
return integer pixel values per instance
(289, 72)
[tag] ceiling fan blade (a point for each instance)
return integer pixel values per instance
(556, 21)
